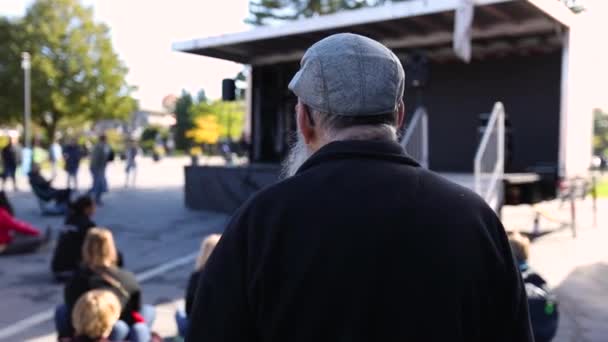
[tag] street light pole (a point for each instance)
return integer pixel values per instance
(27, 112)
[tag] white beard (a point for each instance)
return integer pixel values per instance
(298, 154)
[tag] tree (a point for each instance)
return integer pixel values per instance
(263, 12)
(230, 116)
(600, 133)
(11, 75)
(183, 115)
(201, 96)
(206, 130)
(76, 75)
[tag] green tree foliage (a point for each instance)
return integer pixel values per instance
(185, 122)
(11, 75)
(76, 75)
(263, 12)
(600, 133)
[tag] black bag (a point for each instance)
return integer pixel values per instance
(543, 305)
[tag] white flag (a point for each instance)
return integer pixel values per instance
(463, 25)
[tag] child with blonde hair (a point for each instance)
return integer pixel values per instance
(94, 315)
(207, 247)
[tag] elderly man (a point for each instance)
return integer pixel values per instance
(360, 243)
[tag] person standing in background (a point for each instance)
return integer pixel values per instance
(72, 153)
(55, 156)
(10, 161)
(100, 156)
(130, 159)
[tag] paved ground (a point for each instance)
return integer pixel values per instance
(153, 228)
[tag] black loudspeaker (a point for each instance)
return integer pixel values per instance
(228, 90)
(417, 71)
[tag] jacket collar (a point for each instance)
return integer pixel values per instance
(359, 149)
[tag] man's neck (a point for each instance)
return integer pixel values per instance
(379, 132)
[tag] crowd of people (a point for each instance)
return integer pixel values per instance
(70, 154)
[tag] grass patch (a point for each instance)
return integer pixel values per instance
(602, 188)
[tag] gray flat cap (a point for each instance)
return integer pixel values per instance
(350, 75)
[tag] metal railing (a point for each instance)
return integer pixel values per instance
(489, 159)
(416, 138)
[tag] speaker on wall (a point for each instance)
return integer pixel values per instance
(417, 71)
(228, 90)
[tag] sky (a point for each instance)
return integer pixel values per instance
(143, 32)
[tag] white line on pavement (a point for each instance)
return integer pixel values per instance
(47, 315)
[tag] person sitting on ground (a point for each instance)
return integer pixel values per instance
(18, 237)
(94, 315)
(99, 271)
(43, 189)
(207, 247)
(68, 252)
(541, 299)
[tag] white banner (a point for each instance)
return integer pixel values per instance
(463, 25)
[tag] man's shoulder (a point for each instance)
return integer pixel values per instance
(438, 190)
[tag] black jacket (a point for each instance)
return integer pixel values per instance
(362, 245)
(128, 292)
(9, 157)
(68, 253)
(191, 290)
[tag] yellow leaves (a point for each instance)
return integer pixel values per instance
(206, 130)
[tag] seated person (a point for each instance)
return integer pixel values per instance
(95, 314)
(207, 247)
(99, 271)
(18, 237)
(541, 300)
(43, 189)
(67, 255)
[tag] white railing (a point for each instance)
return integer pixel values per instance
(489, 159)
(416, 138)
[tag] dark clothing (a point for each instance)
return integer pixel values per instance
(191, 290)
(68, 253)
(72, 155)
(362, 245)
(24, 244)
(86, 279)
(43, 189)
(542, 304)
(9, 157)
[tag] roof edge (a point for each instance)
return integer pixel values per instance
(389, 11)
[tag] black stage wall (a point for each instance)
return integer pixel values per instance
(529, 87)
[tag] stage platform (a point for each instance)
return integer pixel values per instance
(225, 188)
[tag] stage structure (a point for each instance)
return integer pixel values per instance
(521, 56)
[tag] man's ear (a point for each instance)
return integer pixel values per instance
(305, 124)
(400, 114)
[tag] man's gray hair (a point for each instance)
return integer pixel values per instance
(338, 127)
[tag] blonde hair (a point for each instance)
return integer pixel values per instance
(95, 313)
(99, 249)
(207, 247)
(520, 245)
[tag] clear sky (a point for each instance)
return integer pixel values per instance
(143, 31)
